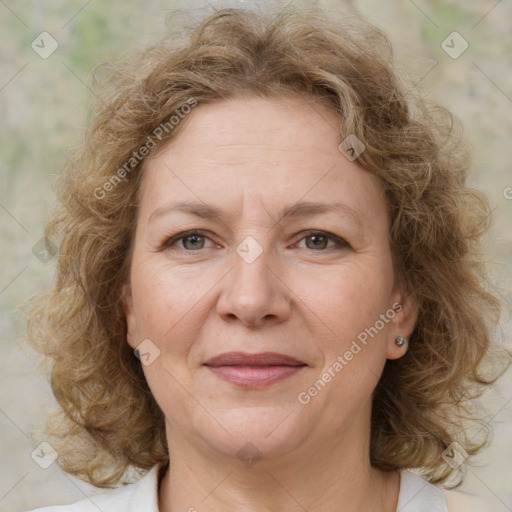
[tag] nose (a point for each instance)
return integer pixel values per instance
(254, 291)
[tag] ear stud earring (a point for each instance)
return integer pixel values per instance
(400, 341)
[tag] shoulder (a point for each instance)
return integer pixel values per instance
(115, 499)
(419, 495)
(463, 502)
(141, 496)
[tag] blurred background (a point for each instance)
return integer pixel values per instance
(457, 53)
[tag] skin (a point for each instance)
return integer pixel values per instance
(251, 157)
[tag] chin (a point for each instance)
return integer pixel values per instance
(257, 432)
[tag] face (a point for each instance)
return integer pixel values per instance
(280, 246)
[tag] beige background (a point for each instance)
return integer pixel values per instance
(42, 112)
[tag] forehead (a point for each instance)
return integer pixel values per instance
(294, 123)
(265, 152)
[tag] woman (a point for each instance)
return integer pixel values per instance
(268, 291)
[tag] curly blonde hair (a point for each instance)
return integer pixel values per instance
(108, 420)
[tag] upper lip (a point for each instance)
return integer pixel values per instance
(245, 359)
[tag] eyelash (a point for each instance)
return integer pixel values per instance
(340, 243)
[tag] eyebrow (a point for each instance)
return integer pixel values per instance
(298, 210)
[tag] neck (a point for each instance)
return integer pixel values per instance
(327, 477)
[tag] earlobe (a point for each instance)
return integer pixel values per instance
(131, 325)
(402, 325)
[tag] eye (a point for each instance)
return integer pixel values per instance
(192, 240)
(195, 240)
(319, 240)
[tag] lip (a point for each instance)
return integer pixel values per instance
(254, 370)
(245, 359)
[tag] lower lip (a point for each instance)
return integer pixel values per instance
(254, 376)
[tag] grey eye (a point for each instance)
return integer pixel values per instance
(197, 242)
(318, 241)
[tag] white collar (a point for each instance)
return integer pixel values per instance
(418, 495)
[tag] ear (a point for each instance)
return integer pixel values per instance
(405, 306)
(129, 313)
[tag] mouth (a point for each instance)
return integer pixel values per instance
(254, 370)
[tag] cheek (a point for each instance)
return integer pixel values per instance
(353, 300)
(157, 301)
(356, 294)
(354, 350)
(165, 315)
(169, 303)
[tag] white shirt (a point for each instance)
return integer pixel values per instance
(416, 495)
